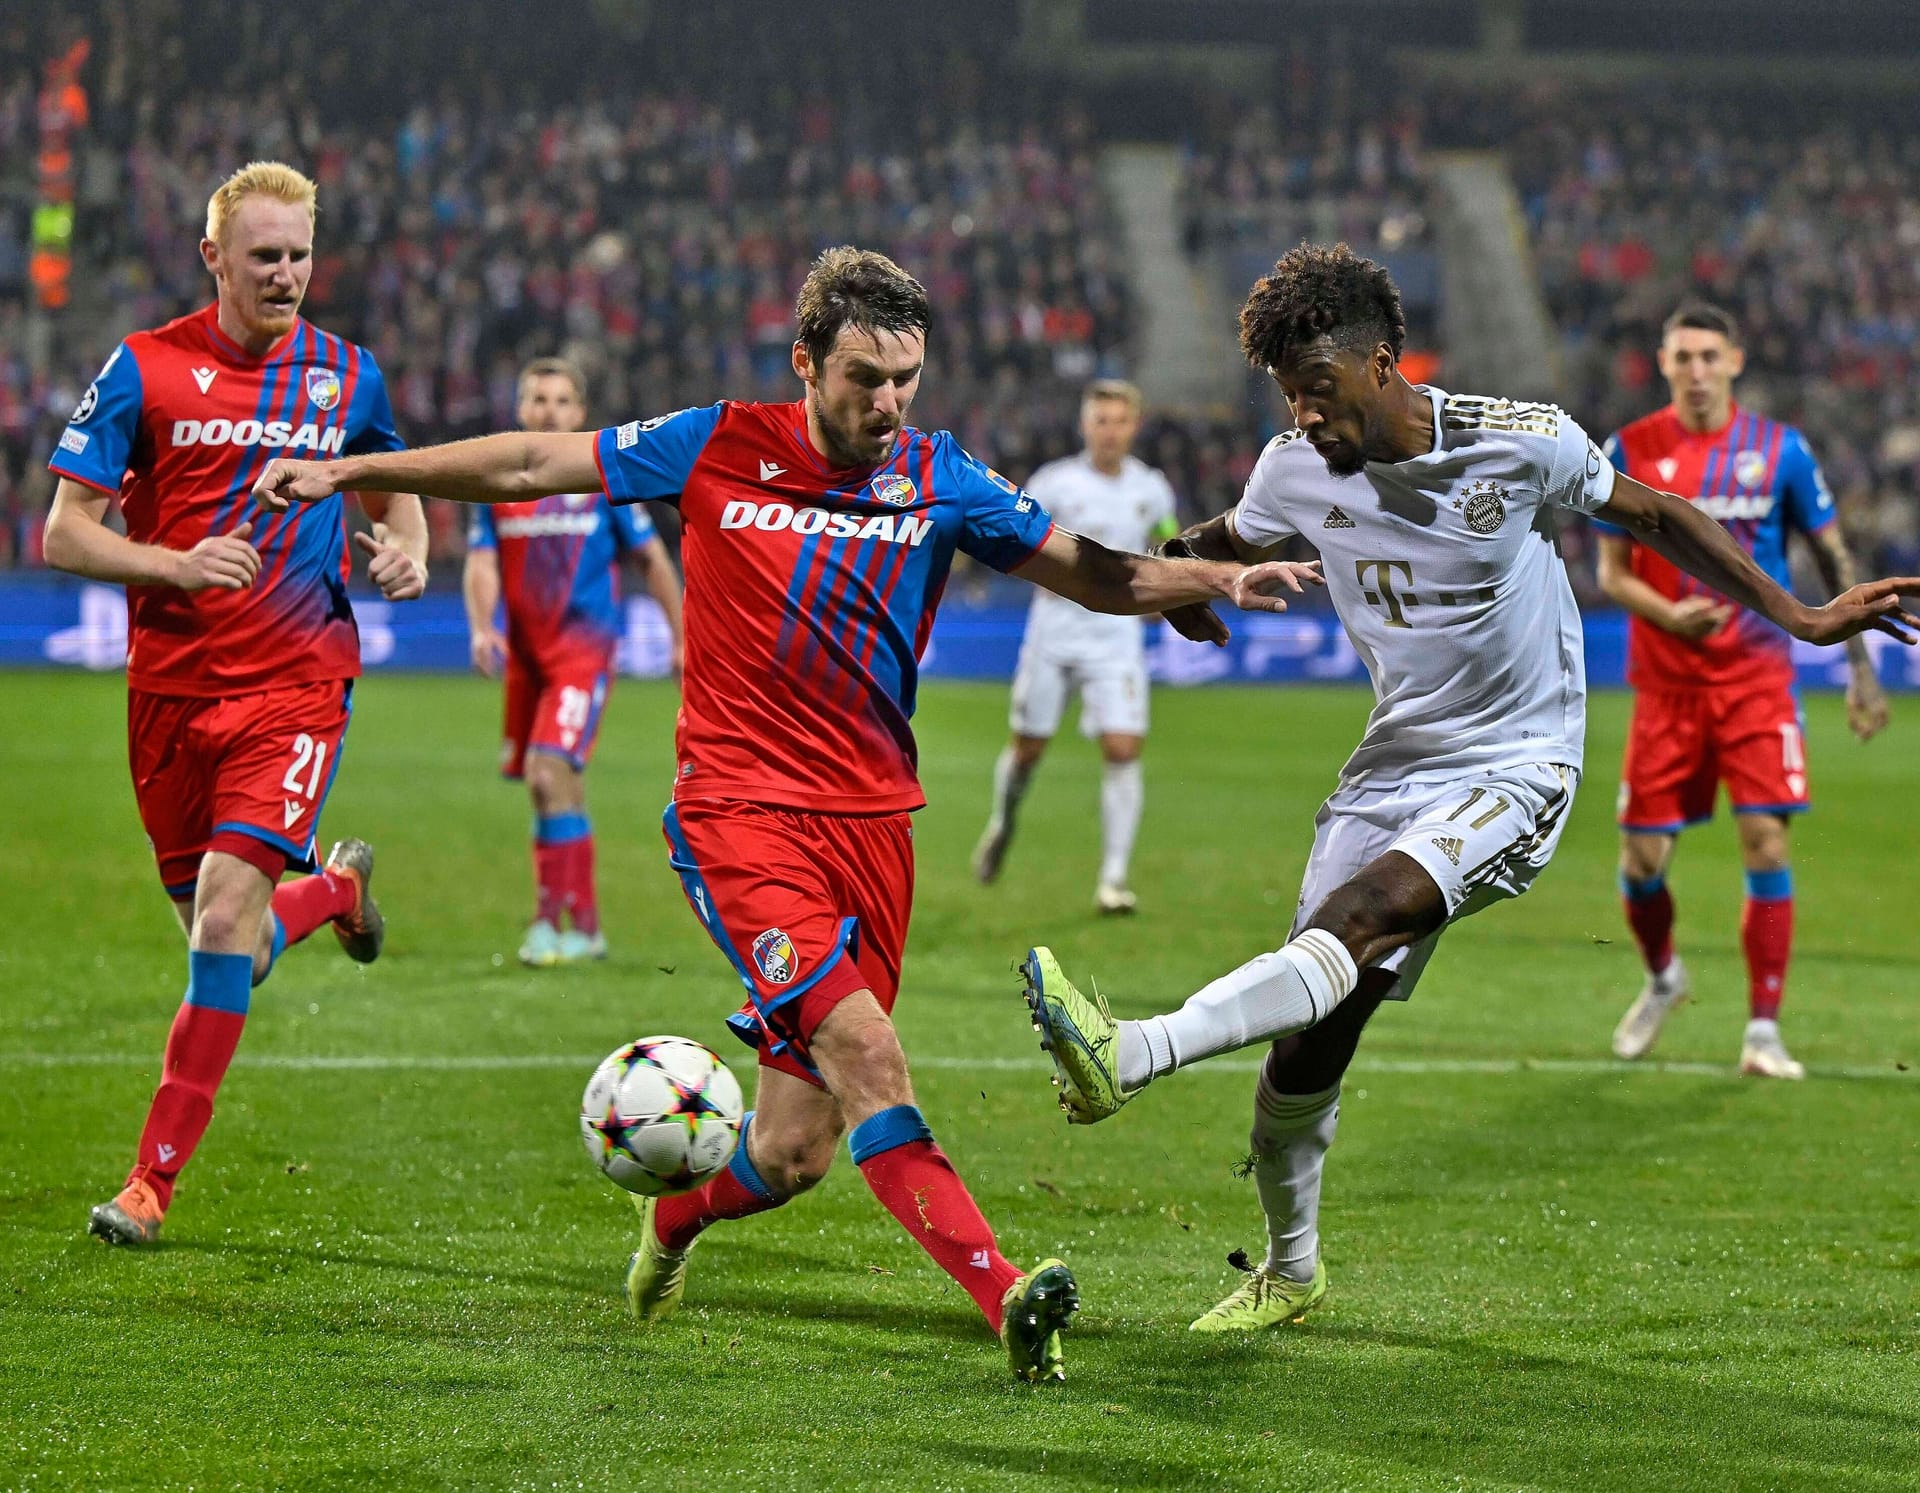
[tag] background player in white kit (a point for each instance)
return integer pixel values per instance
(1435, 516)
(1108, 494)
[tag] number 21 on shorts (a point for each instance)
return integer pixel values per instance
(304, 775)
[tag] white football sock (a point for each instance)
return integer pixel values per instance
(1010, 779)
(1122, 789)
(1271, 995)
(1291, 1135)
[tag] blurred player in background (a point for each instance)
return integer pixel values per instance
(554, 561)
(1108, 494)
(242, 646)
(817, 539)
(1713, 685)
(1434, 514)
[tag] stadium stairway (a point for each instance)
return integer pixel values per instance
(1494, 321)
(1188, 358)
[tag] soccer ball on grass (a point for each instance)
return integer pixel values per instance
(661, 1115)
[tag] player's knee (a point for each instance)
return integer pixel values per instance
(792, 1162)
(224, 923)
(1643, 857)
(553, 785)
(1119, 750)
(1763, 842)
(1357, 914)
(1028, 750)
(864, 1062)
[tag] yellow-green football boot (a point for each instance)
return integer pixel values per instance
(1032, 1313)
(1079, 1034)
(656, 1275)
(1265, 1300)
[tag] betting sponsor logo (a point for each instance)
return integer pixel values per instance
(894, 488)
(771, 518)
(776, 957)
(323, 388)
(308, 436)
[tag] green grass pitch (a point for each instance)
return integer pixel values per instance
(391, 1265)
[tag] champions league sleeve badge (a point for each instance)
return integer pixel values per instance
(323, 388)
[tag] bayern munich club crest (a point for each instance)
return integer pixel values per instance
(323, 388)
(1484, 507)
(776, 957)
(894, 488)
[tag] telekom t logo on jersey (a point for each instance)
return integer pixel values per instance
(771, 518)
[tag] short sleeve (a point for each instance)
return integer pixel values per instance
(1579, 475)
(1000, 525)
(651, 459)
(1257, 518)
(481, 534)
(1807, 499)
(1163, 515)
(1615, 453)
(632, 529)
(98, 442)
(372, 416)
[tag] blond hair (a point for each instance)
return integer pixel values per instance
(1113, 388)
(258, 179)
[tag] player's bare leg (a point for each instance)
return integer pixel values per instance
(787, 1145)
(1644, 859)
(859, 1055)
(563, 859)
(1012, 772)
(1121, 797)
(1766, 936)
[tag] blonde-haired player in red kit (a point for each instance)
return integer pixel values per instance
(242, 648)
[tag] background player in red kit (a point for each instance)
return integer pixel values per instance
(1713, 684)
(817, 538)
(554, 561)
(242, 647)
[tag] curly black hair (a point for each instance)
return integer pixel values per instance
(1320, 292)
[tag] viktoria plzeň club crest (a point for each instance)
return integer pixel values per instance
(323, 388)
(776, 957)
(895, 488)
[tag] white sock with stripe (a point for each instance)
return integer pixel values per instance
(1291, 1136)
(1271, 995)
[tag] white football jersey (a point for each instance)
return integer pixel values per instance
(1445, 571)
(1120, 512)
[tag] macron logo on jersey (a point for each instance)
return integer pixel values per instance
(276, 433)
(889, 528)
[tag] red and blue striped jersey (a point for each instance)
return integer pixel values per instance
(1760, 480)
(558, 562)
(810, 595)
(179, 423)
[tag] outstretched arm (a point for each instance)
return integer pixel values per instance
(1104, 580)
(1866, 701)
(1214, 539)
(1674, 528)
(488, 469)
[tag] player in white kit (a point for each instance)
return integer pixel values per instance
(1108, 494)
(1435, 518)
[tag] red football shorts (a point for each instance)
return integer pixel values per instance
(554, 710)
(808, 908)
(1684, 745)
(247, 775)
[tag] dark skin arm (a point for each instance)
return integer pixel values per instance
(1672, 527)
(1215, 539)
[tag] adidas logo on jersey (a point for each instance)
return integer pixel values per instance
(771, 518)
(1337, 519)
(1449, 846)
(275, 433)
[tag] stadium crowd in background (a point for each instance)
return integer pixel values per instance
(653, 223)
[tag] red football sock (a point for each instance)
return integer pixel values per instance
(919, 1187)
(1650, 915)
(580, 888)
(550, 881)
(199, 1047)
(306, 902)
(737, 1192)
(1766, 933)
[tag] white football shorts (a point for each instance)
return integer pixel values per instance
(1483, 838)
(1113, 694)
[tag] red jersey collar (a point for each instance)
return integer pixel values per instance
(1679, 425)
(233, 352)
(796, 427)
